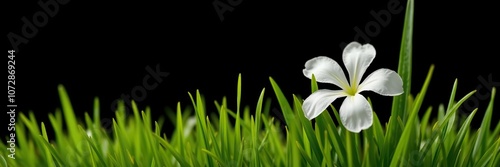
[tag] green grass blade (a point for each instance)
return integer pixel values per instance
(213, 155)
(405, 139)
(482, 139)
(305, 155)
(172, 150)
(53, 152)
(437, 131)
(400, 103)
(458, 143)
(3, 162)
(97, 113)
(285, 106)
(69, 114)
(314, 84)
(288, 112)
(256, 129)
(310, 134)
(48, 157)
(94, 147)
(424, 124)
(180, 131)
(489, 154)
(405, 62)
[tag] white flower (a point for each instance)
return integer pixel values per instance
(355, 112)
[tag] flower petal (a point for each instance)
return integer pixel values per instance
(384, 82)
(357, 58)
(356, 113)
(325, 70)
(318, 101)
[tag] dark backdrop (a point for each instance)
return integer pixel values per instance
(103, 49)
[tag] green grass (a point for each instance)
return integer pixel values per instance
(250, 136)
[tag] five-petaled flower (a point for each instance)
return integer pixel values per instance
(355, 112)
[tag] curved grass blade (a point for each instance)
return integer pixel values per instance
(69, 114)
(405, 139)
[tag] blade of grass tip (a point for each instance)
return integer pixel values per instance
(309, 132)
(138, 140)
(149, 143)
(24, 141)
(409, 127)
(405, 62)
(314, 84)
(48, 156)
(121, 141)
(324, 119)
(448, 115)
(288, 113)
(182, 161)
(44, 132)
(224, 134)
(452, 120)
(157, 154)
(34, 122)
(267, 106)
(200, 112)
(400, 103)
(53, 152)
(483, 134)
(259, 110)
(256, 128)
(31, 126)
(57, 127)
(452, 96)
(91, 129)
(93, 147)
(443, 123)
(424, 124)
(180, 129)
(69, 114)
(238, 94)
(237, 126)
(437, 128)
(97, 113)
(457, 143)
(201, 124)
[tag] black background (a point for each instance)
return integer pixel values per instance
(101, 49)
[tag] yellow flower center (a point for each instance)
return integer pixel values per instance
(351, 90)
